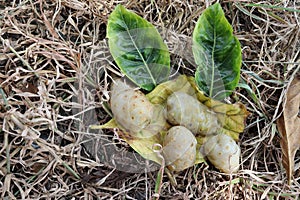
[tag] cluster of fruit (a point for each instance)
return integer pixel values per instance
(182, 118)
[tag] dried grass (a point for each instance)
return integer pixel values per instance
(55, 72)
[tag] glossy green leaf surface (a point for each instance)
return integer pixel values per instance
(137, 48)
(217, 53)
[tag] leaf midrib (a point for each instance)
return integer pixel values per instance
(140, 54)
(213, 65)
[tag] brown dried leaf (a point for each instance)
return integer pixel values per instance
(289, 127)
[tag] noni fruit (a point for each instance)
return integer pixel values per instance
(131, 109)
(134, 113)
(179, 148)
(222, 151)
(187, 111)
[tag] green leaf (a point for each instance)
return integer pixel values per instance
(217, 53)
(138, 48)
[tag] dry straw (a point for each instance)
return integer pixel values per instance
(54, 61)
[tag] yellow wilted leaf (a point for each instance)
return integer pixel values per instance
(161, 92)
(144, 146)
(110, 124)
(289, 127)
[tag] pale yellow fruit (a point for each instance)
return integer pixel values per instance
(223, 153)
(131, 109)
(179, 148)
(187, 111)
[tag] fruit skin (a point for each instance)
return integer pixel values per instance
(131, 109)
(187, 111)
(179, 148)
(134, 113)
(222, 151)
